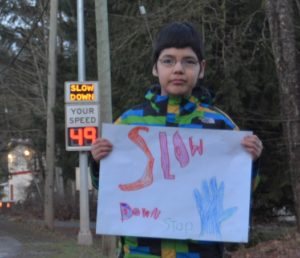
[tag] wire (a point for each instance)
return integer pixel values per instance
(143, 12)
(35, 25)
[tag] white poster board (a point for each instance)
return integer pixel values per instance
(175, 183)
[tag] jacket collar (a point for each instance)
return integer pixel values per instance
(160, 103)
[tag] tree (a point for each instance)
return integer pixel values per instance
(22, 98)
(280, 16)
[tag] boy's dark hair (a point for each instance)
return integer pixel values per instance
(178, 35)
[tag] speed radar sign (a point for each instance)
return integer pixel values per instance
(82, 115)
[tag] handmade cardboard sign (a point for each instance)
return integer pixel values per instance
(175, 183)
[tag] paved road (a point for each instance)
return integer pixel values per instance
(17, 238)
(9, 247)
(23, 239)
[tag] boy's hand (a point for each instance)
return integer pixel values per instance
(100, 149)
(253, 145)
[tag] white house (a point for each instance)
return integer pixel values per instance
(19, 160)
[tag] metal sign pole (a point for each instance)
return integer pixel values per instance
(84, 235)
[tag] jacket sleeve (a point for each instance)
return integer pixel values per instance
(94, 172)
(255, 174)
(94, 166)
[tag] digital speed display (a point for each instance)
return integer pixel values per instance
(82, 92)
(82, 136)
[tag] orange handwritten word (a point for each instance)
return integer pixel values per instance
(147, 178)
(180, 152)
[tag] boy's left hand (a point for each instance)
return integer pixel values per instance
(253, 145)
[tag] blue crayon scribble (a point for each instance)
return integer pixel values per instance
(210, 207)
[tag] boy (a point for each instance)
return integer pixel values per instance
(179, 64)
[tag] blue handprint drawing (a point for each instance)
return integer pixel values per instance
(210, 207)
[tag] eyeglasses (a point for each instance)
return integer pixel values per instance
(186, 63)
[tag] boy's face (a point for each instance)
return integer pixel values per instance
(178, 70)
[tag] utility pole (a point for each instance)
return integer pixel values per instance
(104, 78)
(103, 60)
(84, 235)
(50, 141)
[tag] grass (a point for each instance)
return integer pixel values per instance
(62, 248)
(39, 242)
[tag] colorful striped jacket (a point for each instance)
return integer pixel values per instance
(177, 112)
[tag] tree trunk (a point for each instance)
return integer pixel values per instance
(104, 77)
(50, 147)
(280, 17)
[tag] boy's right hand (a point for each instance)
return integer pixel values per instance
(101, 148)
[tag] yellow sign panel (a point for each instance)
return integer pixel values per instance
(82, 92)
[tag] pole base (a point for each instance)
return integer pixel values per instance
(85, 238)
